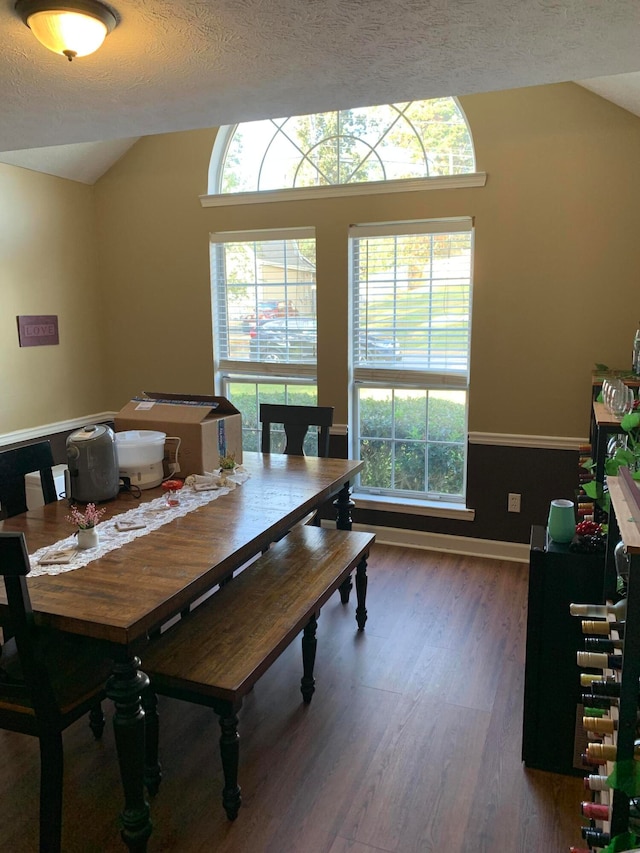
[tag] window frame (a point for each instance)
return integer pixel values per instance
(228, 371)
(229, 366)
(224, 136)
(397, 379)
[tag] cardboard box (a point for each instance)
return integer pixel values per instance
(208, 427)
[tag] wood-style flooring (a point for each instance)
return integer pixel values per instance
(411, 744)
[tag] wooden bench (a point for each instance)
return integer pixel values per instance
(215, 655)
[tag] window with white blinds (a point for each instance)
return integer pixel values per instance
(411, 326)
(264, 302)
(264, 321)
(412, 298)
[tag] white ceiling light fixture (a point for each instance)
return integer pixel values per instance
(75, 28)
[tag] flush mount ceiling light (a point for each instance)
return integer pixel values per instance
(76, 28)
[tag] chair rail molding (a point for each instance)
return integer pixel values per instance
(542, 442)
(51, 429)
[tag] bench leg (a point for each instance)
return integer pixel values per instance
(344, 505)
(361, 593)
(152, 767)
(229, 753)
(309, 643)
(96, 720)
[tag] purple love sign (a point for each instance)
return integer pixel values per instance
(39, 330)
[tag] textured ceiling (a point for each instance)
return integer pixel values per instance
(182, 64)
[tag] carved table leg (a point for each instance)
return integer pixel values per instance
(152, 768)
(344, 505)
(124, 688)
(361, 593)
(309, 643)
(229, 753)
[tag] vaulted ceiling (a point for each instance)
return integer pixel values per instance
(183, 64)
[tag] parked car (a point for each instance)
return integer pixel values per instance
(268, 311)
(294, 339)
(284, 339)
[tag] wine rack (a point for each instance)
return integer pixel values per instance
(552, 718)
(624, 522)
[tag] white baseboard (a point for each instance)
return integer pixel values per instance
(517, 552)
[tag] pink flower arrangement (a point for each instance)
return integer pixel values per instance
(89, 518)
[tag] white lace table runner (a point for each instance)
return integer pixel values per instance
(150, 516)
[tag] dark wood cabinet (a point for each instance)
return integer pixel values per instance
(552, 692)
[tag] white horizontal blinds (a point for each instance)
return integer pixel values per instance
(265, 297)
(412, 299)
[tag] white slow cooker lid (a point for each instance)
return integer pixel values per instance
(140, 437)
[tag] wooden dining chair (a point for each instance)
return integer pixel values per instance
(48, 680)
(14, 464)
(296, 420)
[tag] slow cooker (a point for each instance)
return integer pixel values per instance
(140, 455)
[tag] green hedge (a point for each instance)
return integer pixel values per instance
(428, 453)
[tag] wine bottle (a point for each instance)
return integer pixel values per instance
(598, 660)
(601, 627)
(591, 702)
(601, 752)
(605, 688)
(596, 837)
(602, 644)
(635, 353)
(599, 725)
(601, 611)
(596, 783)
(588, 678)
(591, 761)
(604, 752)
(595, 811)
(595, 712)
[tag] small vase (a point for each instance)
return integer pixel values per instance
(88, 537)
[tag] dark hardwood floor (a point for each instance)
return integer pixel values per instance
(410, 745)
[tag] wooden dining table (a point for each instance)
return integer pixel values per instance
(128, 593)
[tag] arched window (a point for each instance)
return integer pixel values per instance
(418, 139)
(410, 284)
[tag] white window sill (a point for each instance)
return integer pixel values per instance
(441, 182)
(407, 506)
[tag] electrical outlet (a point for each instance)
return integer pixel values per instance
(513, 502)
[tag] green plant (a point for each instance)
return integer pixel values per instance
(228, 462)
(426, 452)
(627, 456)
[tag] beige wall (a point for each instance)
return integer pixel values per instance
(556, 271)
(48, 266)
(556, 265)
